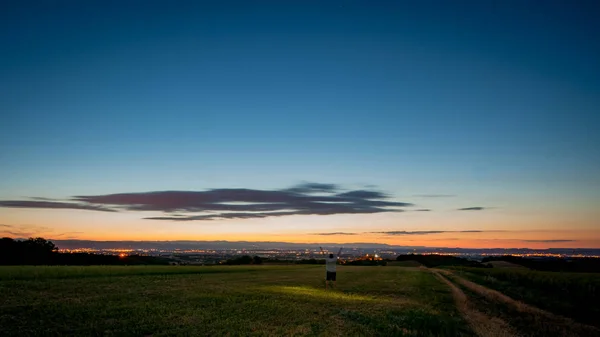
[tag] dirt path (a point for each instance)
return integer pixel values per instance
(556, 324)
(482, 324)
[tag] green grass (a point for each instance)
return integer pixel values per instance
(231, 300)
(50, 272)
(575, 295)
(526, 324)
(504, 264)
(409, 263)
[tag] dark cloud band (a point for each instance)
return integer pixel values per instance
(303, 199)
(549, 241)
(408, 232)
(335, 233)
(53, 204)
(425, 232)
(472, 209)
(434, 195)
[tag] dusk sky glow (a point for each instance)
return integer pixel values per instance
(434, 123)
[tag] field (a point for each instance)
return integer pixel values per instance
(256, 300)
(409, 263)
(504, 264)
(575, 295)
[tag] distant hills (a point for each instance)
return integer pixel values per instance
(182, 244)
(187, 245)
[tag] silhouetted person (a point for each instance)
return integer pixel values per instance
(330, 268)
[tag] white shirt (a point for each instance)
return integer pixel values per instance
(330, 264)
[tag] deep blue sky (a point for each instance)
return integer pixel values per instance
(475, 98)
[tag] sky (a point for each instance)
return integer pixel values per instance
(435, 123)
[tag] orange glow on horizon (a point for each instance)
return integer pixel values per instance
(493, 231)
(528, 239)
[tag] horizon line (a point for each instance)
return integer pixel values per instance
(314, 244)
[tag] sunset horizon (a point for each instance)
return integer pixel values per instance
(312, 213)
(471, 125)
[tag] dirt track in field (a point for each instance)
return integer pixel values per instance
(539, 322)
(482, 324)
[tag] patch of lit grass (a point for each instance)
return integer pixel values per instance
(319, 293)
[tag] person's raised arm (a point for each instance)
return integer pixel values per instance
(340, 251)
(321, 248)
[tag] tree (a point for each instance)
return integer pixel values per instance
(39, 250)
(9, 251)
(246, 259)
(30, 251)
(41, 245)
(257, 260)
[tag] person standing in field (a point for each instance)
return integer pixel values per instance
(330, 268)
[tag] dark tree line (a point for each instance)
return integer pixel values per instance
(31, 251)
(579, 264)
(39, 251)
(440, 260)
(246, 259)
(367, 263)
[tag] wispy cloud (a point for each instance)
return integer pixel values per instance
(302, 199)
(363, 194)
(25, 231)
(18, 234)
(434, 195)
(422, 210)
(409, 232)
(53, 204)
(335, 233)
(425, 232)
(472, 208)
(67, 233)
(308, 187)
(549, 241)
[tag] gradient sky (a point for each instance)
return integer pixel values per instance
(489, 106)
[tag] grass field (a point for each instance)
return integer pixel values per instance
(209, 301)
(409, 263)
(269, 301)
(575, 295)
(504, 264)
